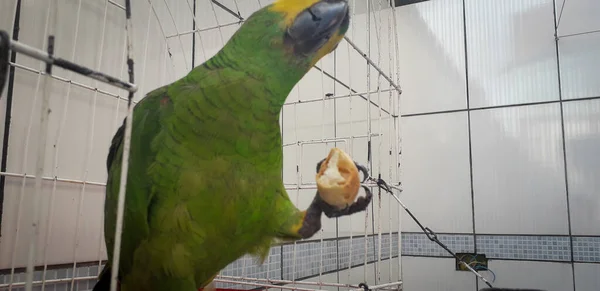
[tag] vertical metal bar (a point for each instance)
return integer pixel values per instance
(369, 138)
(115, 125)
(178, 34)
(194, 36)
(23, 166)
(90, 145)
(126, 148)
(8, 112)
(398, 135)
(562, 129)
(56, 155)
(41, 149)
(351, 149)
(390, 140)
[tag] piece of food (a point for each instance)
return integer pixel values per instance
(338, 180)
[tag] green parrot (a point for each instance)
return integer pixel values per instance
(205, 169)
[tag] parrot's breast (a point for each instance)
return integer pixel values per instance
(223, 194)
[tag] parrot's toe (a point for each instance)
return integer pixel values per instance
(359, 205)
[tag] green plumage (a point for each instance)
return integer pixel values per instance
(204, 184)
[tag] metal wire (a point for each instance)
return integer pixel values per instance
(431, 235)
(24, 165)
(349, 142)
(89, 147)
(125, 157)
(57, 147)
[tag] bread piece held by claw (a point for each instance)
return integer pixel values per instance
(338, 180)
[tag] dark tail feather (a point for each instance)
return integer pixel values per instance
(103, 283)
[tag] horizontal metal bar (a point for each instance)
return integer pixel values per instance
(275, 281)
(71, 181)
(201, 29)
(265, 285)
(381, 286)
(330, 140)
(392, 83)
(69, 81)
(376, 287)
(230, 280)
(43, 56)
(559, 101)
(338, 97)
(313, 186)
(348, 87)
(50, 281)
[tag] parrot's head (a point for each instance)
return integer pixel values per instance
(291, 35)
(310, 29)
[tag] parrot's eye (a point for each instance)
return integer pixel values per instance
(314, 26)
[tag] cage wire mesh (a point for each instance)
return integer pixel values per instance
(349, 100)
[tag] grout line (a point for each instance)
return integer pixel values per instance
(470, 136)
(502, 106)
(505, 259)
(504, 234)
(577, 34)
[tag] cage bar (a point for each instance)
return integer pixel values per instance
(347, 141)
(125, 158)
(62, 63)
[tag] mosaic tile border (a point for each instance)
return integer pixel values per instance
(305, 263)
(586, 249)
(544, 248)
(509, 247)
(417, 244)
(344, 252)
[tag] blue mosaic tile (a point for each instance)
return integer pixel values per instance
(303, 259)
(546, 248)
(309, 258)
(417, 244)
(586, 249)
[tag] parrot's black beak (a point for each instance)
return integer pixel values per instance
(314, 26)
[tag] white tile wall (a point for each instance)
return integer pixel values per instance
(532, 275)
(434, 274)
(436, 169)
(582, 145)
(586, 277)
(579, 62)
(511, 52)
(432, 56)
(518, 170)
(577, 16)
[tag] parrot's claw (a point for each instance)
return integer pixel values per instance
(359, 205)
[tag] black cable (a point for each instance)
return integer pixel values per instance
(431, 235)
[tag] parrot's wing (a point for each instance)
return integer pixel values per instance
(146, 126)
